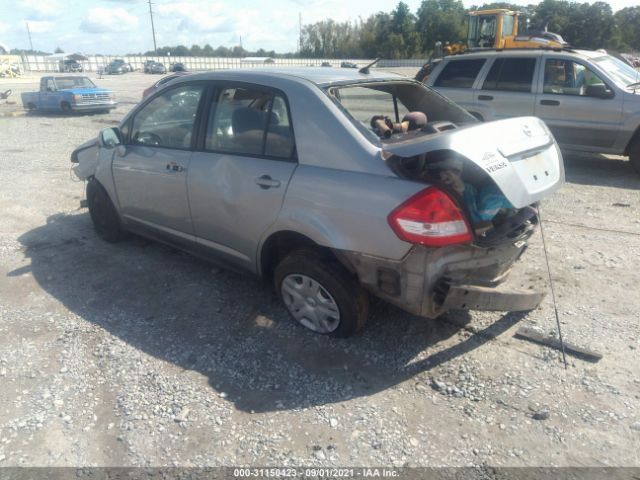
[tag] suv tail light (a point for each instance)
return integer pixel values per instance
(430, 218)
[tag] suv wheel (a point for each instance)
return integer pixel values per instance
(320, 294)
(104, 216)
(634, 156)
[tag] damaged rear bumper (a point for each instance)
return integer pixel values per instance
(429, 281)
(473, 297)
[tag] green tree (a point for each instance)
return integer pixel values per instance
(626, 36)
(441, 20)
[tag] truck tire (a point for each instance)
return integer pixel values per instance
(31, 106)
(320, 294)
(66, 108)
(104, 216)
(634, 155)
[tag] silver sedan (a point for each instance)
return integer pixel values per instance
(335, 184)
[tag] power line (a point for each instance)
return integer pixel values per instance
(153, 30)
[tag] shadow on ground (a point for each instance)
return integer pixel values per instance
(230, 327)
(595, 169)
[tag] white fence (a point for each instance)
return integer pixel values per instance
(41, 63)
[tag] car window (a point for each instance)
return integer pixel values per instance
(250, 121)
(507, 25)
(459, 73)
(363, 103)
(168, 119)
(619, 72)
(238, 121)
(51, 86)
(279, 141)
(74, 82)
(566, 77)
(511, 75)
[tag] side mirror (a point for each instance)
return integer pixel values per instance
(110, 138)
(599, 90)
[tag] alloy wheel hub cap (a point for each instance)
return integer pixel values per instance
(310, 303)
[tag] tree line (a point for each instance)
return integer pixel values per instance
(404, 34)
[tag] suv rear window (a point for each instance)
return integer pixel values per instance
(459, 73)
(511, 75)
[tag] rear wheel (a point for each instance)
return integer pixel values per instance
(104, 216)
(320, 294)
(634, 156)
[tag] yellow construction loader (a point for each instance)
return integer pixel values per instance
(495, 29)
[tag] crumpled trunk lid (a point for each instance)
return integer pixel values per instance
(519, 154)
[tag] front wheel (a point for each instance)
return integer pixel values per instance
(320, 294)
(104, 216)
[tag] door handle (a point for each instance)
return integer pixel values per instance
(552, 103)
(485, 97)
(174, 167)
(265, 181)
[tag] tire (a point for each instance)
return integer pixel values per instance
(31, 106)
(634, 155)
(104, 216)
(66, 108)
(328, 301)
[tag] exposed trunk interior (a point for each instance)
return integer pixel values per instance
(492, 217)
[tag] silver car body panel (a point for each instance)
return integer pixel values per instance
(339, 193)
(519, 154)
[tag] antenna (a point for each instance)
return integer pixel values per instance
(553, 293)
(365, 69)
(153, 30)
(29, 33)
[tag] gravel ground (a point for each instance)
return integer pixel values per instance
(135, 354)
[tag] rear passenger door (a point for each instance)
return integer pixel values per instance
(238, 178)
(457, 78)
(507, 90)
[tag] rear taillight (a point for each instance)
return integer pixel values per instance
(430, 218)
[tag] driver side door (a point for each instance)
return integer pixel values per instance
(150, 176)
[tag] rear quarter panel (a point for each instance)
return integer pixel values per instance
(345, 210)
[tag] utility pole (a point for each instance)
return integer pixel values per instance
(153, 30)
(29, 33)
(300, 32)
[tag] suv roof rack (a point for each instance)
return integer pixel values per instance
(567, 48)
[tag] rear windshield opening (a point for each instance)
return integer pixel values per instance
(396, 111)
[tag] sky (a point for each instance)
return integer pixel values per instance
(123, 26)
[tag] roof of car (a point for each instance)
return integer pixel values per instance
(523, 52)
(318, 75)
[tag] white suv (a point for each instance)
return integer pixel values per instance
(589, 100)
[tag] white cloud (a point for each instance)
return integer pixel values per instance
(40, 26)
(40, 10)
(199, 17)
(101, 20)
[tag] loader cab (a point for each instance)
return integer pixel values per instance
(491, 28)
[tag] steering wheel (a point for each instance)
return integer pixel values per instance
(148, 138)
